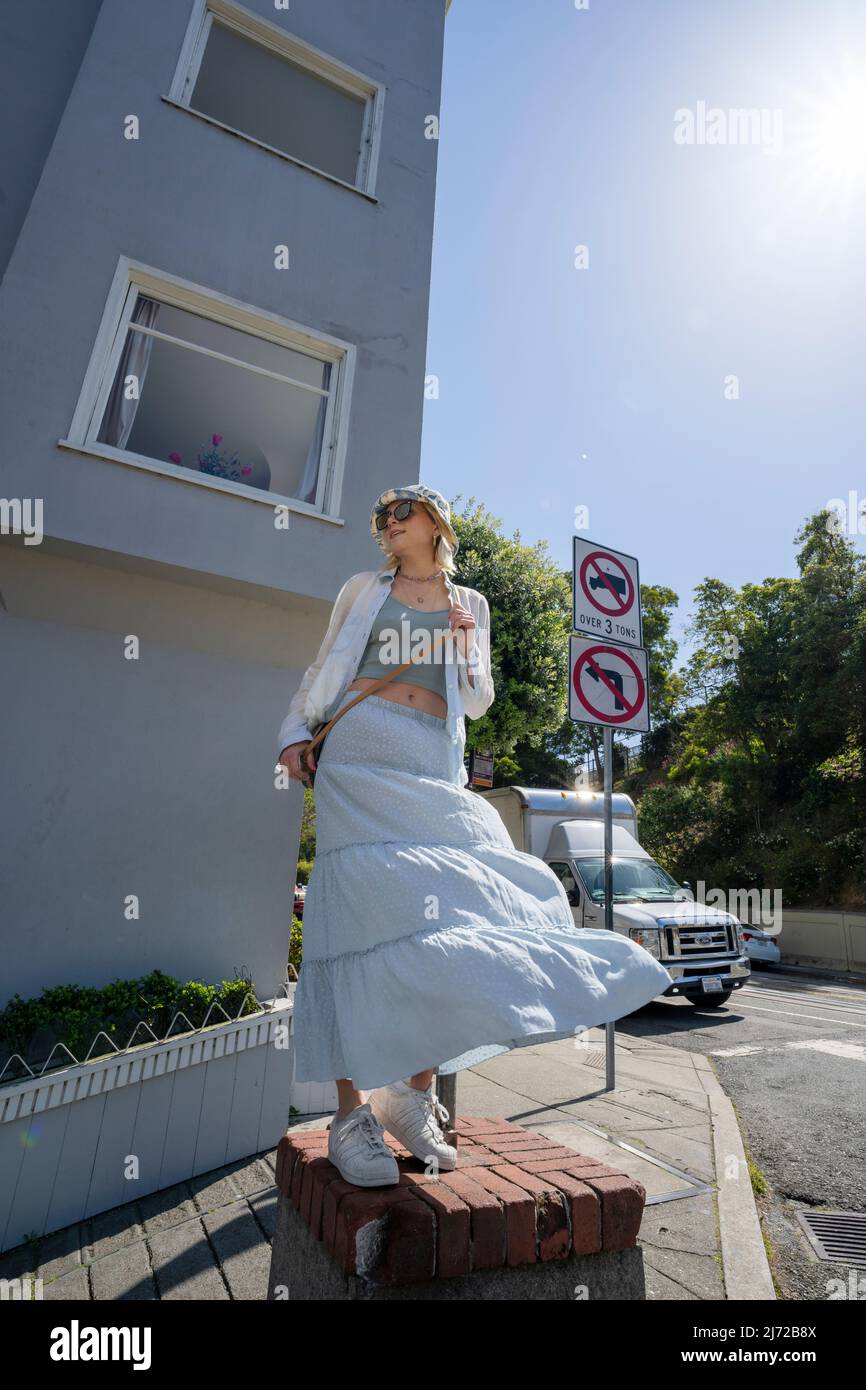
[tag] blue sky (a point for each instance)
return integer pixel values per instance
(705, 261)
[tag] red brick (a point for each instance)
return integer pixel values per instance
(362, 1221)
(481, 1125)
(588, 1170)
(298, 1178)
(291, 1147)
(399, 1150)
(308, 1139)
(323, 1176)
(537, 1153)
(587, 1161)
(453, 1229)
(314, 1163)
(567, 1165)
(535, 1163)
(520, 1237)
(471, 1156)
(622, 1207)
(408, 1251)
(304, 1145)
(331, 1198)
(551, 1218)
(487, 1220)
(515, 1143)
(287, 1156)
(584, 1206)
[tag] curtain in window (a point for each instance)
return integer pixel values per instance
(307, 489)
(120, 411)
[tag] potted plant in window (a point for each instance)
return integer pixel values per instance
(219, 463)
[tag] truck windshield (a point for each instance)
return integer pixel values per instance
(640, 879)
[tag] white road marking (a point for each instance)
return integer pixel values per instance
(855, 1052)
(742, 1051)
(788, 987)
(789, 1013)
(813, 1003)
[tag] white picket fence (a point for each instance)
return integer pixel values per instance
(89, 1137)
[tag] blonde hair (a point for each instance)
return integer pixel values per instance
(443, 551)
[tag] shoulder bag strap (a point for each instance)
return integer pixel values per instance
(371, 690)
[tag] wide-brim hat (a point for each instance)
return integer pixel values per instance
(418, 493)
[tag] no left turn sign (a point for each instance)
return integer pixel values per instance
(609, 684)
(606, 593)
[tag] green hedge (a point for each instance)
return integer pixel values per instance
(74, 1014)
(296, 941)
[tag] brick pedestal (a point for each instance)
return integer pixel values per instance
(520, 1217)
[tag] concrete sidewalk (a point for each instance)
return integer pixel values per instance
(668, 1123)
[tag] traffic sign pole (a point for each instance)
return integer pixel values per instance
(609, 682)
(610, 1027)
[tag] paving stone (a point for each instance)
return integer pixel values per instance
(60, 1253)
(184, 1264)
(111, 1230)
(124, 1276)
(243, 1256)
(72, 1287)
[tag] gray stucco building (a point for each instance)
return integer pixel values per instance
(215, 244)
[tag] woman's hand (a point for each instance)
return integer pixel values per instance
(290, 759)
(462, 627)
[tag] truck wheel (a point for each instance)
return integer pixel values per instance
(711, 1001)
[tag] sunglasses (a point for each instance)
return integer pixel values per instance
(401, 511)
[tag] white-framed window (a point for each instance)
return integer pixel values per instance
(249, 76)
(190, 383)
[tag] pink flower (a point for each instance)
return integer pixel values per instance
(216, 438)
(175, 458)
(246, 470)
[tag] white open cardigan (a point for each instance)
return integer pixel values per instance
(339, 656)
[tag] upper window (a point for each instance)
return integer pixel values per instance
(250, 76)
(191, 382)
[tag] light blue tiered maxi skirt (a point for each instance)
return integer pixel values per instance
(429, 941)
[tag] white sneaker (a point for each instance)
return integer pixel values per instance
(357, 1149)
(415, 1118)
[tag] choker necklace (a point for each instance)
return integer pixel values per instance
(412, 579)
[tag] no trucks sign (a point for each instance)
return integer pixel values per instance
(606, 593)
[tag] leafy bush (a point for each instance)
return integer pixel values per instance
(296, 937)
(74, 1014)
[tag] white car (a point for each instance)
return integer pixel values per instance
(761, 948)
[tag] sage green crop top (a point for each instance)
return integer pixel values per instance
(431, 673)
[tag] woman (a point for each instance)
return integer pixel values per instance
(430, 943)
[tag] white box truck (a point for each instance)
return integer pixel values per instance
(701, 947)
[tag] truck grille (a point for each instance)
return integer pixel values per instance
(688, 942)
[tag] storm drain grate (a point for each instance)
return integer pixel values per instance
(839, 1236)
(594, 1059)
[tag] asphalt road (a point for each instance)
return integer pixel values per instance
(790, 1052)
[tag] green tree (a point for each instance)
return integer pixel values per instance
(307, 848)
(766, 783)
(530, 608)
